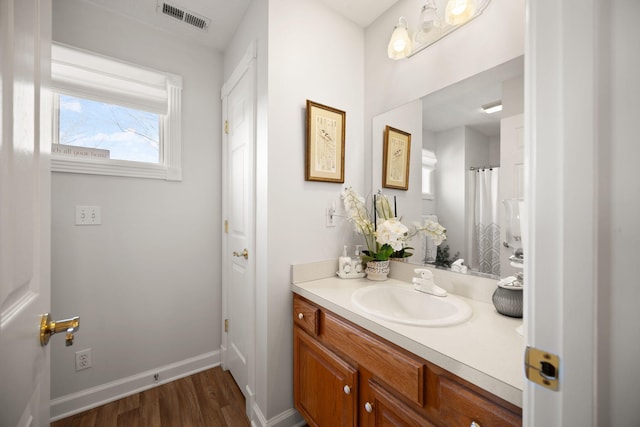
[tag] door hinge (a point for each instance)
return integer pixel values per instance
(226, 226)
(542, 368)
(226, 126)
(226, 325)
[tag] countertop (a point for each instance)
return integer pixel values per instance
(486, 350)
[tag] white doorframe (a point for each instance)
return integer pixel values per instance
(247, 64)
(561, 182)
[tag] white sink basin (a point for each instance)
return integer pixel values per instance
(403, 304)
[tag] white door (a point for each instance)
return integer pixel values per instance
(239, 259)
(511, 179)
(24, 211)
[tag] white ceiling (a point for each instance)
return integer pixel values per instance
(443, 110)
(225, 15)
(362, 12)
(460, 104)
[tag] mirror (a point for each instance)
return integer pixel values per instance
(464, 163)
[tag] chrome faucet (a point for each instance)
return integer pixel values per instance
(425, 283)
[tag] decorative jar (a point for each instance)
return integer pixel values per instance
(377, 270)
(508, 301)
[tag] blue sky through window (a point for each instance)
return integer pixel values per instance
(127, 133)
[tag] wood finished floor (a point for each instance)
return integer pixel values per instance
(207, 399)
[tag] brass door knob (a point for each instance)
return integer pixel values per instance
(49, 327)
(244, 254)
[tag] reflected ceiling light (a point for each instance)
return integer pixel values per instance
(400, 43)
(492, 107)
(459, 11)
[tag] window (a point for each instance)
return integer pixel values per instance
(109, 131)
(114, 118)
(428, 167)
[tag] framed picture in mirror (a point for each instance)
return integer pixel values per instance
(395, 158)
(325, 143)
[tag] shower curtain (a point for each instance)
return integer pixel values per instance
(484, 224)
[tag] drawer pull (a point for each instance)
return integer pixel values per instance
(474, 424)
(368, 407)
(300, 316)
(347, 389)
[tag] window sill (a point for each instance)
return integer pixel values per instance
(115, 168)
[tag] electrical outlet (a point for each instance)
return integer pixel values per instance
(88, 215)
(83, 359)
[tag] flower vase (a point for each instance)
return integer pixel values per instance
(377, 270)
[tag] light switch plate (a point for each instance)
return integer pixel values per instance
(88, 215)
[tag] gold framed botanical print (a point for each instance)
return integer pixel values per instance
(325, 143)
(395, 158)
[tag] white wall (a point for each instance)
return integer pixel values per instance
(318, 55)
(618, 211)
(450, 186)
(477, 148)
(146, 282)
(513, 96)
(497, 36)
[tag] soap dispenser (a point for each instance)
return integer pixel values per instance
(344, 263)
(357, 260)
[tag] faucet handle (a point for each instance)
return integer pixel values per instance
(424, 273)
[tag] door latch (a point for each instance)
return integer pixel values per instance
(542, 368)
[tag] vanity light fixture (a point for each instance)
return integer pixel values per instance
(437, 19)
(400, 43)
(492, 107)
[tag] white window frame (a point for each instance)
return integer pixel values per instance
(88, 75)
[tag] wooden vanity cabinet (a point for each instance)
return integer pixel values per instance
(345, 375)
(325, 386)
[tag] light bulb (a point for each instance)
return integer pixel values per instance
(459, 11)
(400, 44)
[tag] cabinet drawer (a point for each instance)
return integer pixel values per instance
(461, 406)
(385, 362)
(306, 315)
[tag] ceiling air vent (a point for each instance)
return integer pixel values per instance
(181, 14)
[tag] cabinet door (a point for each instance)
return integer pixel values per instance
(325, 386)
(460, 407)
(384, 410)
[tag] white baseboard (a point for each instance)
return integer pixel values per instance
(84, 400)
(288, 418)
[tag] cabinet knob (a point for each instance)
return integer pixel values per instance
(347, 389)
(474, 424)
(300, 316)
(368, 407)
